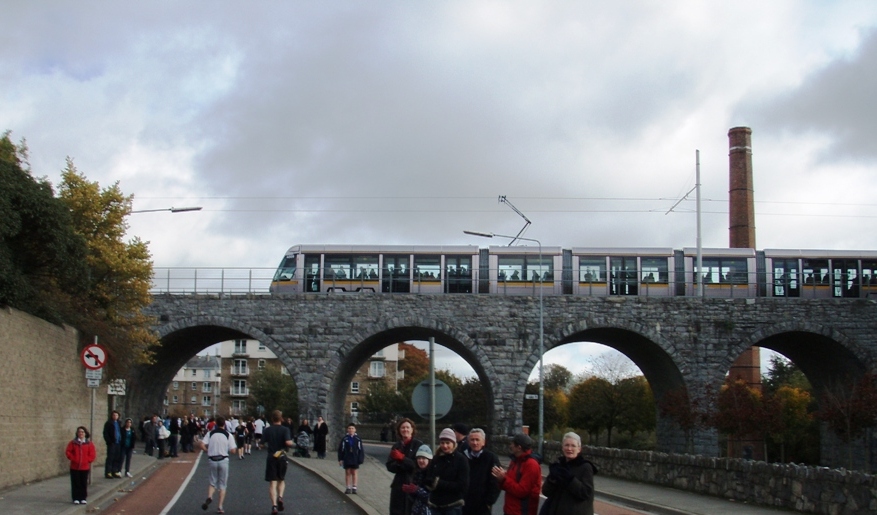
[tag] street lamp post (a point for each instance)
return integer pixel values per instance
(171, 209)
(541, 328)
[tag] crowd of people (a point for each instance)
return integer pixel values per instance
(459, 477)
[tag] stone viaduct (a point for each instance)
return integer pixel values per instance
(677, 342)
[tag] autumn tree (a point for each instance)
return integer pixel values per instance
(557, 377)
(43, 269)
(415, 364)
(590, 409)
(554, 404)
(271, 389)
(689, 414)
(850, 408)
(790, 420)
(382, 401)
(119, 271)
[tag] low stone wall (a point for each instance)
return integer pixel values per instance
(794, 487)
(43, 398)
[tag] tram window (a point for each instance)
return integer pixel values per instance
(654, 270)
(785, 278)
(869, 268)
(623, 277)
(511, 268)
(525, 268)
(592, 270)
(427, 268)
(286, 271)
(815, 271)
(366, 267)
(725, 270)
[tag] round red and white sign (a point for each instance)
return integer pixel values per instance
(93, 356)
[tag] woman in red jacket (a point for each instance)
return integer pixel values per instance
(80, 452)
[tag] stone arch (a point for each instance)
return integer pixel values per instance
(182, 339)
(364, 342)
(824, 354)
(657, 358)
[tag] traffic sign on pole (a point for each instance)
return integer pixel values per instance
(93, 356)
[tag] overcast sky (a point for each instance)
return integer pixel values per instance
(401, 123)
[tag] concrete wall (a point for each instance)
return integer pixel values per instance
(43, 398)
(788, 486)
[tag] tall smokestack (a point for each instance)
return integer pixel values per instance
(741, 194)
(742, 231)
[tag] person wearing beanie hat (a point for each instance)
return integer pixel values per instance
(461, 431)
(522, 482)
(451, 477)
(421, 481)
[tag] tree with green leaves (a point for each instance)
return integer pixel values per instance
(381, 402)
(591, 407)
(43, 268)
(557, 377)
(272, 389)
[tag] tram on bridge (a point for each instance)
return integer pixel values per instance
(527, 270)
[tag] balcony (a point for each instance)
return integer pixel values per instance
(239, 392)
(240, 371)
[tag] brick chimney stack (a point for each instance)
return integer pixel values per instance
(741, 194)
(742, 231)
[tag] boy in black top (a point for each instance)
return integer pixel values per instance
(276, 438)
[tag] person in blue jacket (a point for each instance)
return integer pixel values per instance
(351, 455)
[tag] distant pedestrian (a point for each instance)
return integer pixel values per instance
(351, 455)
(258, 427)
(277, 438)
(113, 439)
(219, 445)
(81, 453)
(321, 431)
(129, 439)
(240, 438)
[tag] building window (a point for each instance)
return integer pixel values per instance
(207, 387)
(376, 369)
(207, 413)
(354, 407)
(261, 346)
(194, 386)
(207, 373)
(176, 385)
(261, 364)
(238, 407)
(240, 346)
(176, 399)
(401, 354)
(193, 400)
(165, 400)
(239, 367)
(194, 372)
(379, 354)
(239, 387)
(354, 387)
(205, 401)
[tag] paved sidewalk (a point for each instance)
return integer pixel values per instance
(374, 492)
(52, 496)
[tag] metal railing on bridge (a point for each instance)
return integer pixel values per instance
(182, 280)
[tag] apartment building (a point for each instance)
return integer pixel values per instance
(195, 388)
(240, 359)
(382, 366)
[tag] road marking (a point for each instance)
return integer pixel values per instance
(182, 487)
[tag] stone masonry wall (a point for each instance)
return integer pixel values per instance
(43, 399)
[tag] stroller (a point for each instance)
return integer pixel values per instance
(302, 444)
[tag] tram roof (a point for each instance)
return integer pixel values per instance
(383, 249)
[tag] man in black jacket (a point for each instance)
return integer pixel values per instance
(483, 486)
(113, 438)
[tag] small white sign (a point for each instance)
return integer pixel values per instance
(116, 387)
(92, 383)
(94, 374)
(531, 396)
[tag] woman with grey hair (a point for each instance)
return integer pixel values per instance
(569, 487)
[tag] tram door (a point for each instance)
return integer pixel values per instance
(312, 273)
(785, 278)
(846, 280)
(458, 278)
(623, 276)
(396, 276)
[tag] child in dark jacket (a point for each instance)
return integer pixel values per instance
(421, 483)
(351, 455)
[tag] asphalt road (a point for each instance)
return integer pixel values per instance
(247, 490)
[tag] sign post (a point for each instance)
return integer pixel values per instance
(93, 357)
